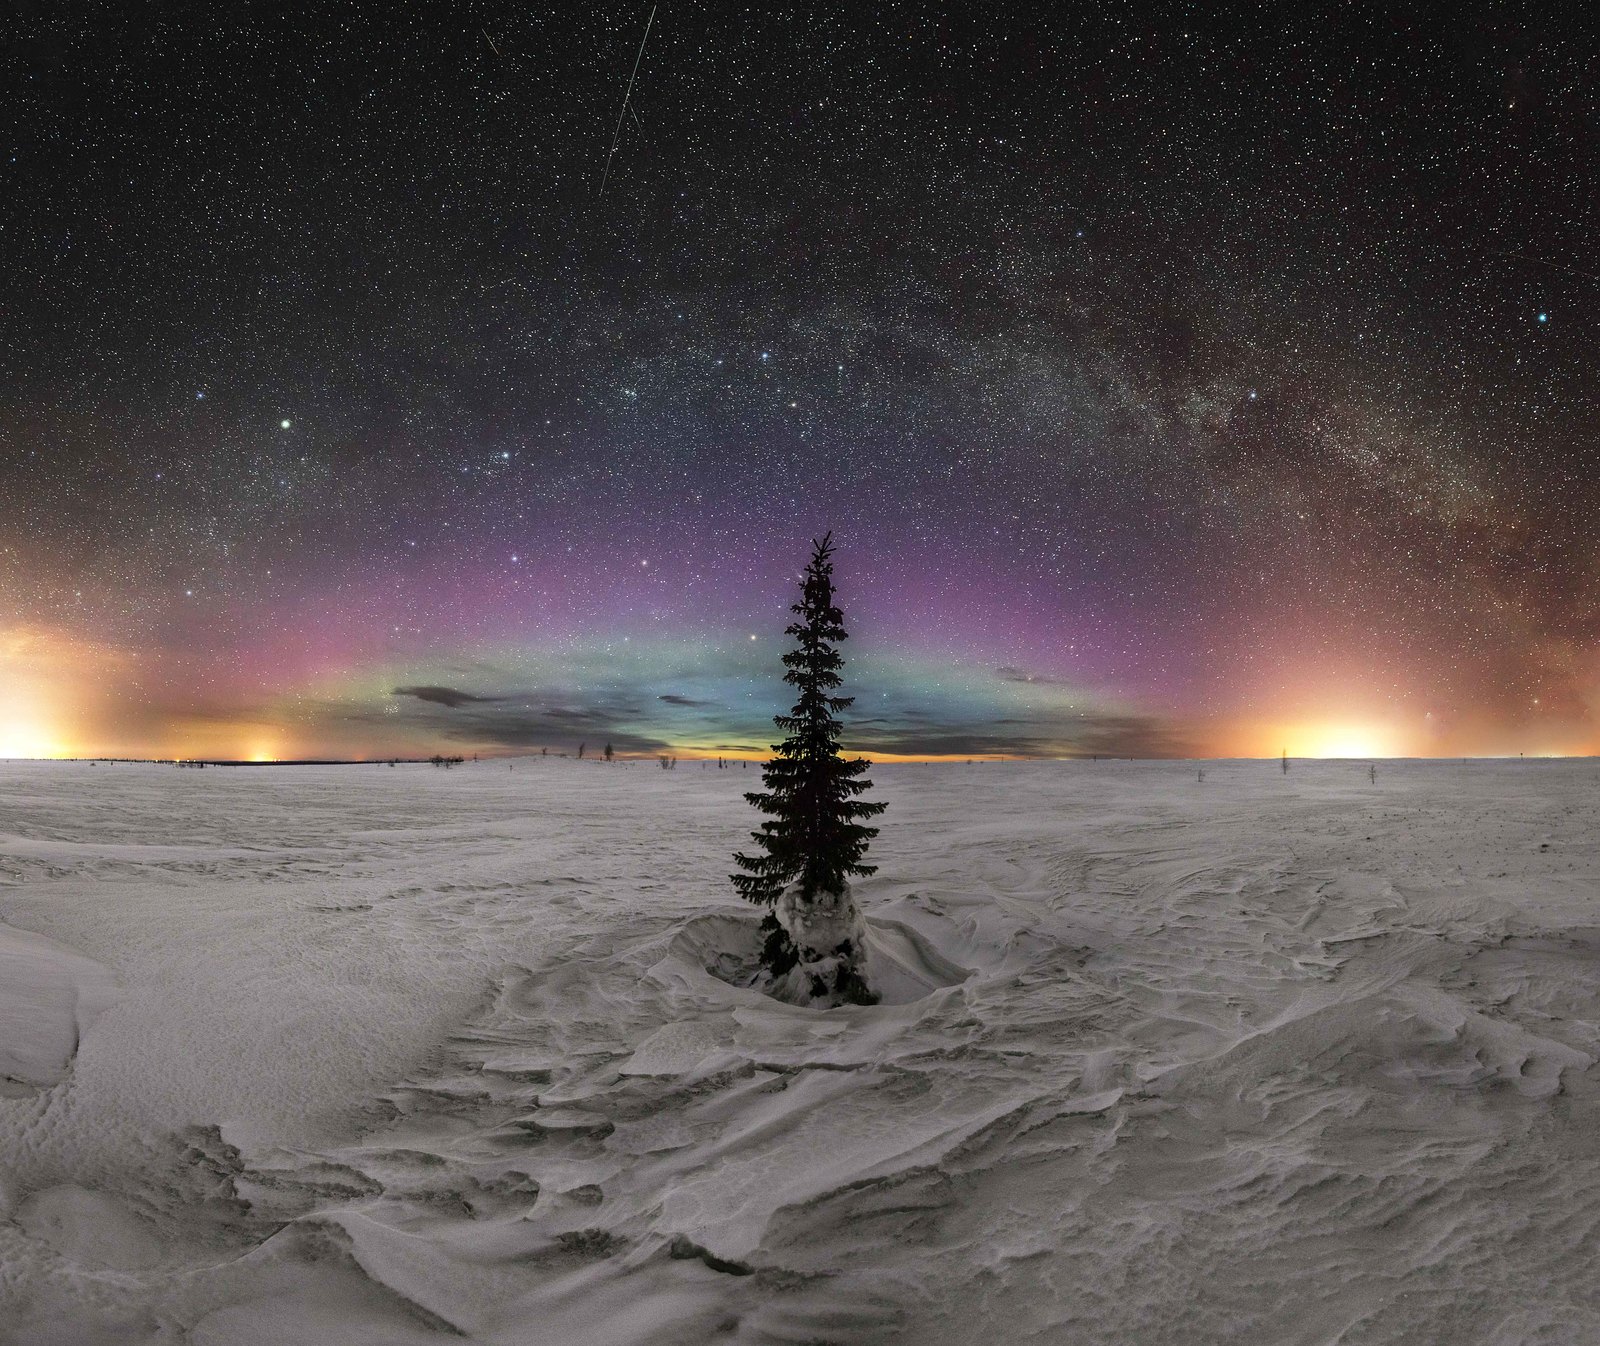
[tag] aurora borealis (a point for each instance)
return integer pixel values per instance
(1175, 380)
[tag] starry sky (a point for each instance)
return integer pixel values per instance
(1176, 379)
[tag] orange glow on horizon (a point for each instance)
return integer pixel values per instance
(36, 677)
(1321, 739)
(1345, 740)
(1365, 739)
(27, 743)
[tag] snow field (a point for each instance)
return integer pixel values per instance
(372, 1055)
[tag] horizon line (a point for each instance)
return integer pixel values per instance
(887, 759)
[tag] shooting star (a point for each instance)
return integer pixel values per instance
(490, 41)
(616, 135)
(1554, 266)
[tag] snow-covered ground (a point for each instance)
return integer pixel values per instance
(366, 1055)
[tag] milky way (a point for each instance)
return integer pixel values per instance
(1174, 380)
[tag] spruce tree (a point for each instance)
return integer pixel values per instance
(814, 834)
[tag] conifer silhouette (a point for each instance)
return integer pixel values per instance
(814, 833)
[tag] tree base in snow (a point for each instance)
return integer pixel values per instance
(816, 949)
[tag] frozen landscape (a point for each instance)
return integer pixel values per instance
(364, 1055)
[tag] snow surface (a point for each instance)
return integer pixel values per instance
(369, 1056)
(49, 995)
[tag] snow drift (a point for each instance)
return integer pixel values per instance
(50, 995)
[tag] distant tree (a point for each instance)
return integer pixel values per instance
(611, 755)
(814, 838)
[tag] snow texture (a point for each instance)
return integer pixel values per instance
(403, 1056)
(49, 996)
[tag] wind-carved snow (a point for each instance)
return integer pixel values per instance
(50, 995)
(408, 1056)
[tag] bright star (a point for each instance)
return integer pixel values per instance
(283, 424)
(1544, 317)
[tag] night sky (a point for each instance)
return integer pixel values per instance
(1175, 379)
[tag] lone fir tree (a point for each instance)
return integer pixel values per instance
(813, 839)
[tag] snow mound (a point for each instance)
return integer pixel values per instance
(902, 965)
(49, 996)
